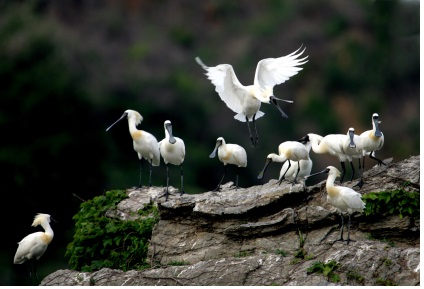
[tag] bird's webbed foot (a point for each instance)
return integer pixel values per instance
(360, 183)
(182, 192)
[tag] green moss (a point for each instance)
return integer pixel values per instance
(327, 269)
(100, 241)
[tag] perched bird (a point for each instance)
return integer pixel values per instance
(144, 143)
(343, 198)
(291, 151)
(172, 150)
(245, 101)
(369, 142)
(303, 166)
(33, 246)
(232, 154)
(340, 145)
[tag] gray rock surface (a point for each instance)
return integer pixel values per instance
(269, 235)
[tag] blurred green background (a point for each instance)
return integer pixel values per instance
(69, 69)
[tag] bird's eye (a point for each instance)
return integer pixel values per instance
(327, 170)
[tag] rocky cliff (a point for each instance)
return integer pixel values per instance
(271, 235)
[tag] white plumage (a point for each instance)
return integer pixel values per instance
(343, 198)
(144, 143)
(291, 172)
(172, 150)
(245, 101)
(229, 154)
(33, 246)
(369, 142)
(291, 151)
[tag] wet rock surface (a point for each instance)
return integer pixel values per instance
(269, 235)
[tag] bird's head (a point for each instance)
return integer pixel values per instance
(376, 122)
(219, 141)
(351, 134)
(40, 218)
(168, 128)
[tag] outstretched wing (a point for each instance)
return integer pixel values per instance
(230, 90)
(273, 71)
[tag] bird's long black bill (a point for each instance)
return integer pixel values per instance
(319, 173)
(171, 137)
(377, 130)
(274, 102)
(213, 154)
(261, 174)
(352, 143)
(123, 116)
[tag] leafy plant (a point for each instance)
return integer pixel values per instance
(281, 252)
(327, 269)
(352, 275)
(384, 282)
(178, 263)
(393, 202)
(100, 241)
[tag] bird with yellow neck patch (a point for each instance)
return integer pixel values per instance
(144, 143)
(369, 142)
(33, 246)
(229, 154)
(343, 198)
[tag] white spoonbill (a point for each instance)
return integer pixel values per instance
(33, 246)
(144, 143)
(343, 198)
(172, 150)
(232, 154)
(287, 151)
(245, 101)
(304, 165)
(369, 142)
(340, 145)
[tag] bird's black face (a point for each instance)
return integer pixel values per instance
(304, 139)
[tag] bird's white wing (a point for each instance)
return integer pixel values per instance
(229, 88)
(352, 199)
(273, 71)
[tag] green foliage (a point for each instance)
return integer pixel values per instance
(354, 276)
(242, 254)
(327, 269)
(281, 252)
(100, 241)
(178, 263)
(393, 202)
(384, 282)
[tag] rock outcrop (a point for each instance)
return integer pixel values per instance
(269, 235)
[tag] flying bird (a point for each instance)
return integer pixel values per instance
(291, 151)
(232, 154)
(246, 101)
(144, 143)
(172, 150)
(33, 246)
(343, 198)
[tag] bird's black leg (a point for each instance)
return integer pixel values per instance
(348, 232)
(250, 133)
(282, 178)
(167, 183)
(380, 162)
(237, 178)
(150, 177)
(182, 181)
(298, 170)
(218, 188)
(256, 131)
(141, 170)
(361, 181)
(341, 229)
(343, 171)
(353, 171)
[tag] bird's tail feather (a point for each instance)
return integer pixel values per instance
(242, 117)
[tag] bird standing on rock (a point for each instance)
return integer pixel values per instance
(229, 154)
(287, 151)
(343, 198)
(246, 100)
(33, 246)
(172, 150)
(369, 142)
(144, 143)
